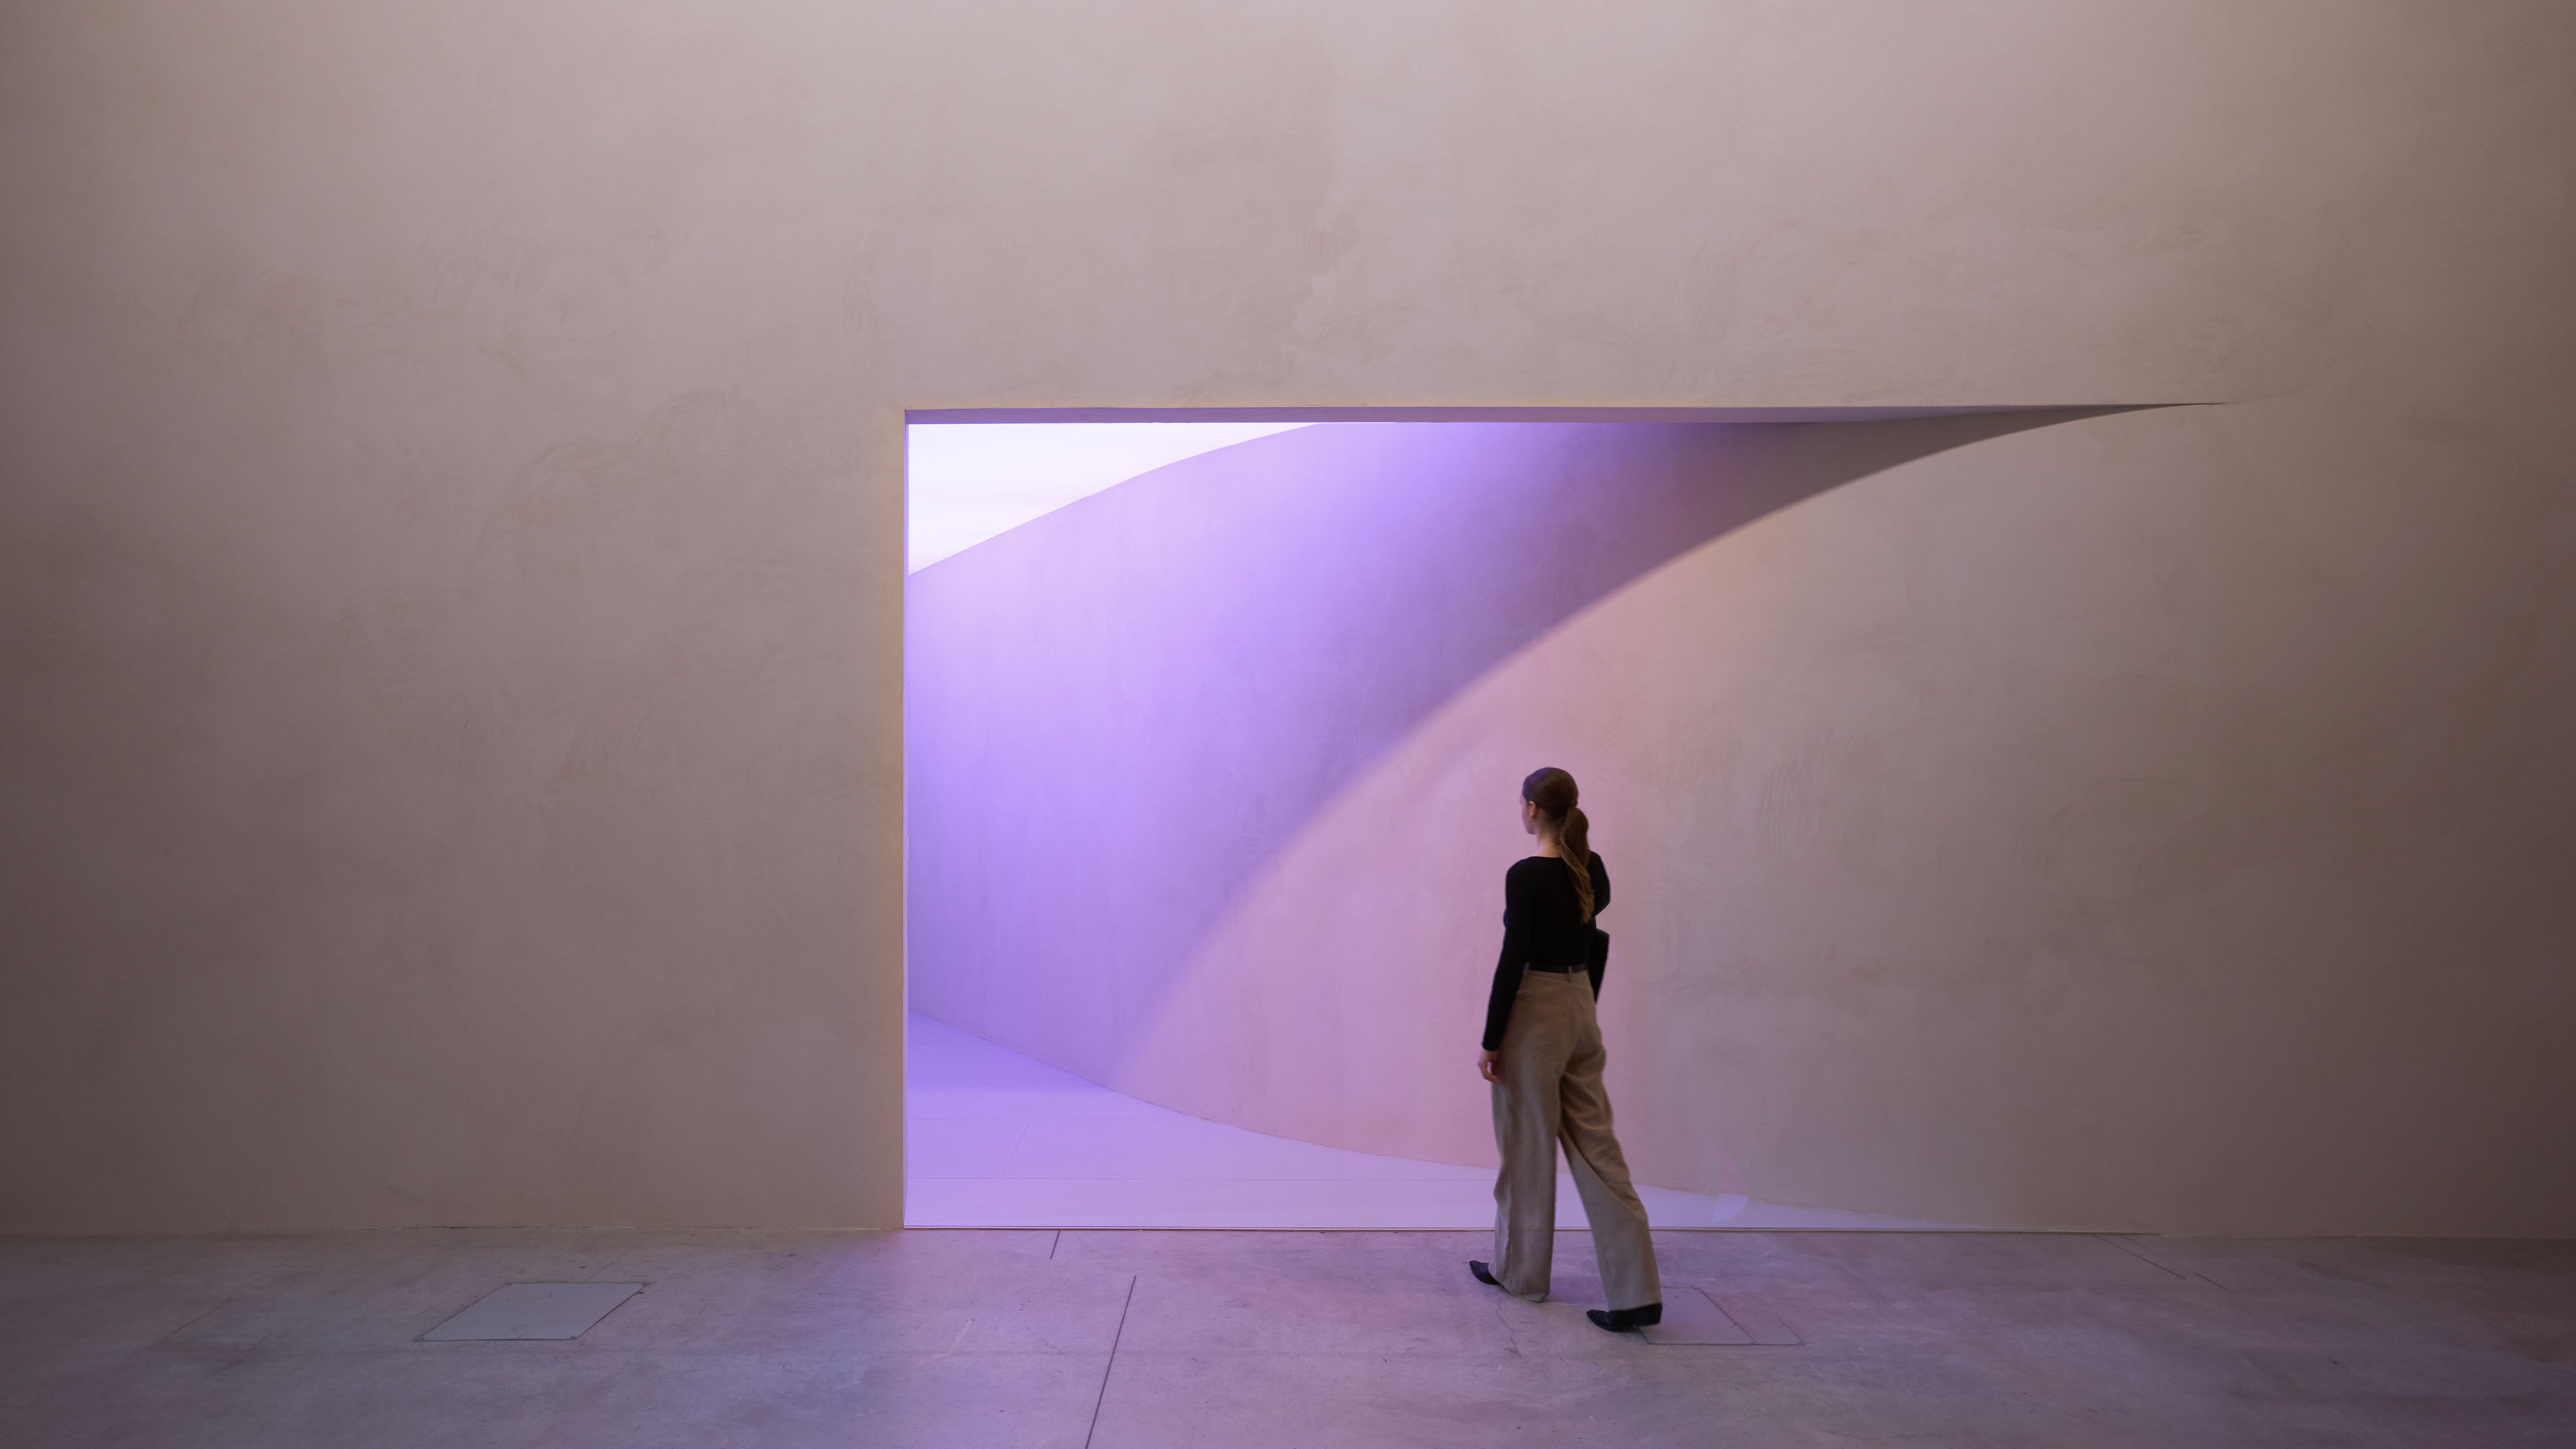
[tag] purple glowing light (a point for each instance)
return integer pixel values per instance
(967, 482)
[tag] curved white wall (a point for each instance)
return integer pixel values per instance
(2118, 912)
(1931, 902)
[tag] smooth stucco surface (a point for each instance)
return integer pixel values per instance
(451, 530)
(1929, 903)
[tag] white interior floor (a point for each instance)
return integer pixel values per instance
(997, 1140)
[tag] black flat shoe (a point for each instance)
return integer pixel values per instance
(1482, 1274)
(1626, 1320)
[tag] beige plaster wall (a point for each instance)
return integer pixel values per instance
(450, 519)
(2128, 912)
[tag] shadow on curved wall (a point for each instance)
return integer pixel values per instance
(1117, 713)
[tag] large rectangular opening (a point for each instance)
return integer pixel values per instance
(1156, 668)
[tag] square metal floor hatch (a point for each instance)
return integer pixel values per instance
(535, 1310)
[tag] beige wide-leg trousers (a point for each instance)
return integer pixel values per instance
(1551, 1091)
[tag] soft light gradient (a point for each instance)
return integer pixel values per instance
(993, 1139)
(452, 568)
(1214, 781)
(966, 482)
(1124, 721)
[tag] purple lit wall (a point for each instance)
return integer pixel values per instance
(1122, 714)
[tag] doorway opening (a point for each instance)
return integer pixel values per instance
(1198, 856)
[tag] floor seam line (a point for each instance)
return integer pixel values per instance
(2134, 1251)
(1114, 1340)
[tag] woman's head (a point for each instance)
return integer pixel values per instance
(1550, 797)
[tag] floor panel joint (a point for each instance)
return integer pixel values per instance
(1114, 1340)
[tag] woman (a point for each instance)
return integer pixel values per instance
(1543, 1056)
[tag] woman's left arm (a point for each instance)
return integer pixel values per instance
(1507, 982)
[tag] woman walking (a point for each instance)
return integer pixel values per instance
(1543, 1055)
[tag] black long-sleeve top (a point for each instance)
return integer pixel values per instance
(1542, 923)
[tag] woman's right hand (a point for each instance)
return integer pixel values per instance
(1489, 1065)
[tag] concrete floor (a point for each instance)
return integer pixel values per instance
(1113, 1338)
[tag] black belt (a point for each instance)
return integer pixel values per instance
(1567, 970)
